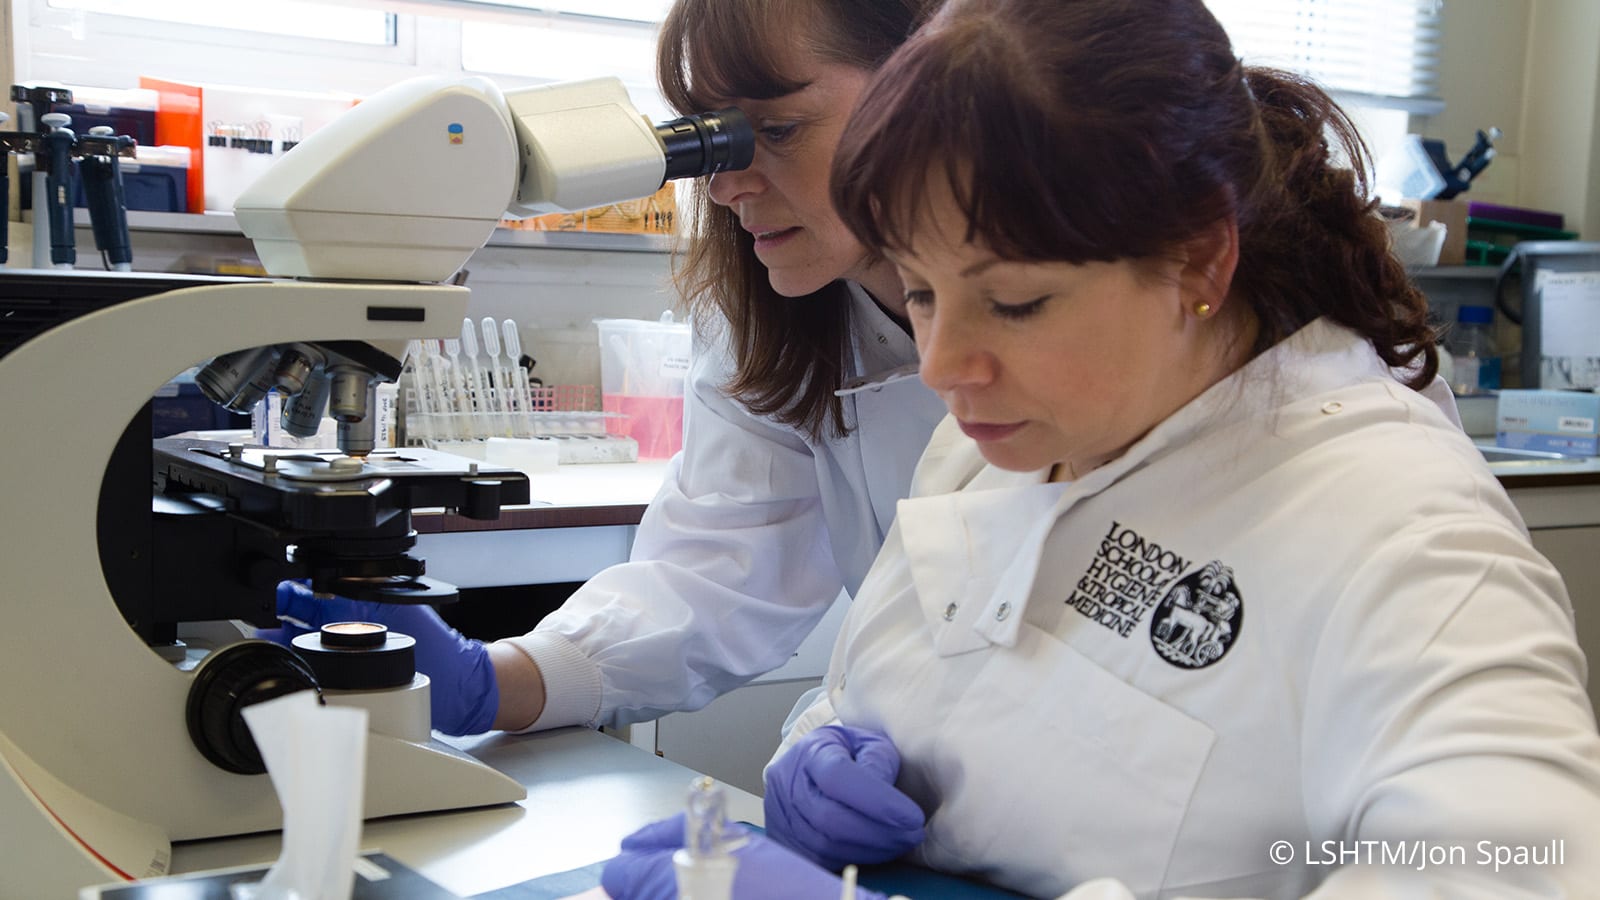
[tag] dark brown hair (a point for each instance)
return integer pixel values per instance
(790, 353)
(1098, 130)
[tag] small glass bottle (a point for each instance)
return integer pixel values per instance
(1471, 345)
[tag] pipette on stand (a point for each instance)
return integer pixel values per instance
(103, 191)
(519, 377)
(56, 160)
(5, 194)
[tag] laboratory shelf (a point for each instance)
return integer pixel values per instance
(222, 223)
(1478, 273)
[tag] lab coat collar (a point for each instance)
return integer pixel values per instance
(1319, 359)
(884, 352)
(973, 555)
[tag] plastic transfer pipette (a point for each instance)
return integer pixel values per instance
(500, 396)
(421, 402)
(461, 392)
(519, 376)
(481, 422)
(430, 387)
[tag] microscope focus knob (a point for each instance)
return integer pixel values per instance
(231, 679)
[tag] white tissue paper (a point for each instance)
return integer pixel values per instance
(316, 757)
(1418, 246)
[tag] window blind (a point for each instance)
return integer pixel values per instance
(649, 12)
(296, 18)
(1367, 52)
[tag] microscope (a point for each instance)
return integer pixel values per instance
(130, 560)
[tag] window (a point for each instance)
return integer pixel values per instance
(1366, 52)
(1376, 57)
(348, 46)
(295, 18)
(567, 49)
(651, 11)
(303, 45)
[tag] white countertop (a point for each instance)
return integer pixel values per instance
(597, 484)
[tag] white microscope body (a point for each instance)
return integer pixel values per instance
(358, 224)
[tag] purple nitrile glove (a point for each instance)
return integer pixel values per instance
(464, 695)
(766, 870)
(832, 798)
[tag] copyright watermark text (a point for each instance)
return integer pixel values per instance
(1417, 855)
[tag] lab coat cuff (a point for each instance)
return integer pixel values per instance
(572, 688)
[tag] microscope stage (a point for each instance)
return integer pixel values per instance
(318, 489)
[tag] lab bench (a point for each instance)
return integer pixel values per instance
(586, 791)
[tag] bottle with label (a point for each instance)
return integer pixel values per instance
(1471, 346)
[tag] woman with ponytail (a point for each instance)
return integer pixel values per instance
(1201, 591)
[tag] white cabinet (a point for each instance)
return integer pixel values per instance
(1576, 552)
(1564, 521)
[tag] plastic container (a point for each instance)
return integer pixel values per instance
(642, 368)
(1476, 360)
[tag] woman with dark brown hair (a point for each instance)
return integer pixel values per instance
(1197, 594)
(803, 418)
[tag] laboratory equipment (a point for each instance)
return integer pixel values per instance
(643, 367)
(410, 182)
(129, 560)
(58, 157)
(1559, 312)
(705, 865)
(1474, 356)
(120, 599)
(102, 185)
(1457, 177)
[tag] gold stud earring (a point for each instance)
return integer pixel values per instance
(1202, 310)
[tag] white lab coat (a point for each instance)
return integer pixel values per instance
(1301, 609)
(753, 534)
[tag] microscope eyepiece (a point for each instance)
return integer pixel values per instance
(709, 142)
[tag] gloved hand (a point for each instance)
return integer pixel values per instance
(832, 798)
(464, 694)
(766, 870)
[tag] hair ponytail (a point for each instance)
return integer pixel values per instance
(1312, 242)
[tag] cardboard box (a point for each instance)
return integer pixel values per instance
(1553, 421)
(1452, 214)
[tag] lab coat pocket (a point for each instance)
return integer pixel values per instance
(1054, 771)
